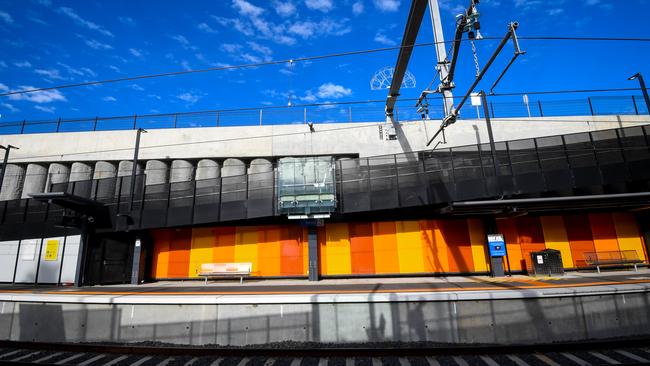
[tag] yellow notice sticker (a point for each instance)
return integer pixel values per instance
(52, 250)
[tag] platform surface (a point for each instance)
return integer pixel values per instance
(340, 290)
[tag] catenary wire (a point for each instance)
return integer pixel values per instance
(309, 58)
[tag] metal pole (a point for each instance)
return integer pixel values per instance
(135, 166)
(441, 54)
(591, 107)
(4, 163)
(644, 90)
(636, 109)
(541, 112)
(488, 123)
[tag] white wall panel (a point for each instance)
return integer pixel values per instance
(70, 259)
(28, 256)
(8, 252)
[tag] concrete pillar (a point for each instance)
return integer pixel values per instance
(260, 166)
(104, 169)
(233, 167)
(35, 178)
(124, 170)
(13, 182)
(207, 169)
(181, 171)
(57, 173)
(156, 172)
(81, 171)
(105, 174)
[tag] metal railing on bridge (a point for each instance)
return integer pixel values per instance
(328, 113)
(615, 160)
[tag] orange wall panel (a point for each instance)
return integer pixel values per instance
(224, 251)
(269, 253)
(478, 240)
(385, 247)
(508, 228)
(459, 247)
(179, 252)
(531, 237)
(578, 232)
(603, 232)
(361, 248)
(291, 251)
(440, 253)
(160, 265)
(428, 244)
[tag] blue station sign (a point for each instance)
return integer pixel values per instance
(497, 245)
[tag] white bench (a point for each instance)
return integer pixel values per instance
(225, 270)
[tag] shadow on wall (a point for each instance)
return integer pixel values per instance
(515, 321)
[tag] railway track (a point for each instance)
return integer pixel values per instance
(618, 352)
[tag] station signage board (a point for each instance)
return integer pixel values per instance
(497, 245)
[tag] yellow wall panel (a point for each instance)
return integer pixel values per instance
(409, 247)
(337, 249)
(627, 233)
(385, 247)
(246, 247)
(555, 237)
(478, 241)
(203, 241)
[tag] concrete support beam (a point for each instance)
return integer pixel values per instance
(105, 173)
(181, 171)
(13, 182)
(260, 166)
(207, 169)
(124, 171)
(57, 173)
(233, 167)
(104, 169)
(35, 178)
(156, 172)
(81, 171)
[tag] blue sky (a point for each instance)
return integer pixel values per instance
(49, 42)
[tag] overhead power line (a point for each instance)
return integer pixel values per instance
(308, 58)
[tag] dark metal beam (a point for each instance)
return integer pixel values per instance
(416, 13)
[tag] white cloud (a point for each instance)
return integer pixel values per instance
(309, 97)
(231, 47)
(82, 71)
(3, 64)
(189, 97)
(96, 45)
(50, 74)
(184, 42)
(37, 20)
(266, 52)
(284, 9)
(204, 27)
(44, 96)
(555, 11)
(237, 24)
(186, 65)
(70, 13)
(246, 8)
(331, 90)
(109, 99)
(136, 52)
(45, 109)
(5, 17)
(387, 5)
(381, 38)
(309, 29)
(136, 87)
(114, 68)
(10, 107)
(357, 8)
(3, 88)
(21, 64)
(320, 5)
(127, 21)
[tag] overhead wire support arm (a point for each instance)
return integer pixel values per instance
(416, 13)
(518, 52)
(451, 118)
